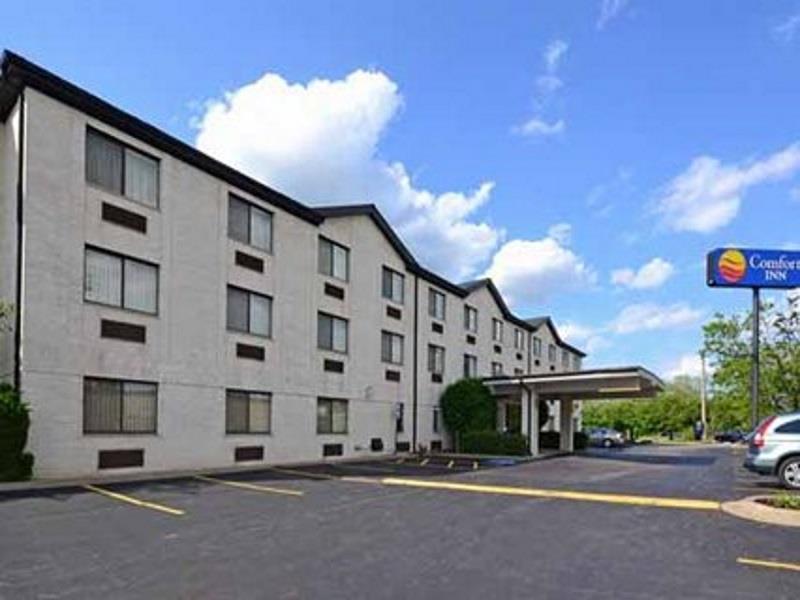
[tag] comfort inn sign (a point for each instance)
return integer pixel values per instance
(740, 267)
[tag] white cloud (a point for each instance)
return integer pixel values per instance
(609, 10)
(547, 84)
(650, 275)
(587, 338)
(650, 317)
(319, 142)
(708, 194)
(561, 232)
(787, 30)
(532, 270)
(536, 127)
(686, 365)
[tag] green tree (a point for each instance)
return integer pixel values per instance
(6, 313)
(468, 405)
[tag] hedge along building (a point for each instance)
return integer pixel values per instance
(174, 313)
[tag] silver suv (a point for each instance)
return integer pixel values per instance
(774, 449)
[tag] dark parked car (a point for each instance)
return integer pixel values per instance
(734, 436)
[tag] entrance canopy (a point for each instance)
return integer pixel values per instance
(594, 384)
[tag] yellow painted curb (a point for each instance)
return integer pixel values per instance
(134, 501)
(683, 503)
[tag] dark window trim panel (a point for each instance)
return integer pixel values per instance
(250, 351)
(248, 261)
(332, 450)
(333, 366)
(437, 328)
(471, 339)
(436, 377)
(120, 459)
(128, 332)
(394, 313)
(248, 453)
(403, 447)
(123, 217)
(436, 445)
(334, 291)
(498, 349)
(392, 375)
(376, 444)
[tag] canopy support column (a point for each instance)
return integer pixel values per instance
(530, 419)
(566, 426)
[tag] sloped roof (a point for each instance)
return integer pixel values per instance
(537, 322)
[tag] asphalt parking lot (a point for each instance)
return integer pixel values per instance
(574, 528)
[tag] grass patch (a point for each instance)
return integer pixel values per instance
(785, 500)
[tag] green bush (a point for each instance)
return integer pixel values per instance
(493, 442)
(468, 405)
(551, 440)
(15, 464)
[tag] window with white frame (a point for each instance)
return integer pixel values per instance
(391, 348)
(497, 330)
(249, 312)
(537, 347)
(565, 359)
(497, 368)
(334, 259)
(551, 353)
(577, 362)
(331, 415)
(436, 304)
(117, 280)
(519, 339)
(249, 224)
(118, 168)
(248, 412)
(119, 406)
(471, 319)
(393, 285)
(331, 333)
(435, 359)
(470, 366)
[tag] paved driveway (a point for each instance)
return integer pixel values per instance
(339, 532)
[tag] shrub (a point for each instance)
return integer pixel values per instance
(493, 442)
(551, 440)
(467, 405)
(15, 464)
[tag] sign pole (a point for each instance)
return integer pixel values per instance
(754, 369)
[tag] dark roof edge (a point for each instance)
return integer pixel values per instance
(18, 72)
(594, 371)
(554, 331)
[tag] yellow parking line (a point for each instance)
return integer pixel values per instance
(684, 503)
(301, 473)
(769, 564)
(249, 486)
(134, 501)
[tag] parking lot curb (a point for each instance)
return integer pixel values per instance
(749, 508)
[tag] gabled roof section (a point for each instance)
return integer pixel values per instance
(486, 282)
(16, 73)
(537, 322)
(371, 211)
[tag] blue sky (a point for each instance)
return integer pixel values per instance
(585, 154)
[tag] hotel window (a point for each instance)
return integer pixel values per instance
(497, 330)
(435, 359)
(518, 371)
(497, 368)
(117, 406)
(519, 340)
(471, 319)
(249, 312)
(437, 415)
(565, 359)
(470, 366)
(577, 362)
(120, 169)
(331, 333)
(117, 280)
(249, 224)
(248, 412)
(436, 304)
(331, 415)
(551, 353)
(392, 285)
(333, 259)
(391, 348)
(537, 346)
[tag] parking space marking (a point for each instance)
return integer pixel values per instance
(450, 464)
(365, 468)
(250, 486)
(768, 564)
(135, 501)
(424, 462)
(287, 471)
(683, 503)
(474, 465)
